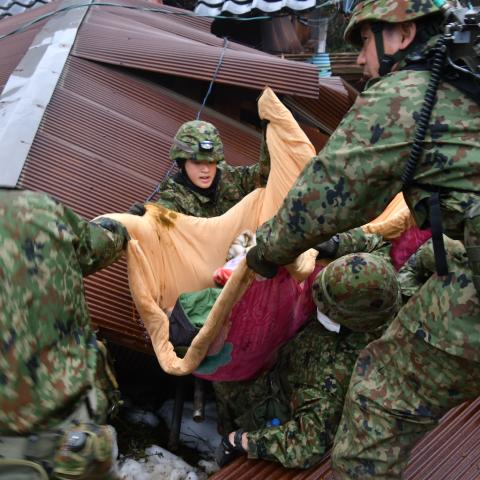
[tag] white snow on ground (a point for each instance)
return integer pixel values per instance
(160, 464)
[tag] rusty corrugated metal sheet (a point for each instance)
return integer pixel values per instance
(14, 47)
(102, 145)
(156, 43)
(450, 452)
(333, 102)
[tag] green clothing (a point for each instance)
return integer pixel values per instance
(357, 241)
(346, 185)
(305, 391)
(400, 388)
(48, 349)
(421, 265)
(235, 183)
(358, 171)
(306, 388)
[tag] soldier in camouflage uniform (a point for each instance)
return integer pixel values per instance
(49, 412)
(206, 185)
(304, 392)
(428, 360)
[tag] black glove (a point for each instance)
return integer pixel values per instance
(329, 248)
(260, 265)
(137, 209)
(226, 452)
(112, 226)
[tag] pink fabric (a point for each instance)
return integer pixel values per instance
(407, 244)
(269, 313)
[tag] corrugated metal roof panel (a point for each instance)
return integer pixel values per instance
(450, 452)
(13, 47)
(129, 41)
(332, 104)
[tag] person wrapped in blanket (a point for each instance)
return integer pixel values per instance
(290, 414)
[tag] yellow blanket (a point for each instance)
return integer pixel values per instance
(170, 253)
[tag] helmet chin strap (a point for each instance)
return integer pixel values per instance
(385, 61)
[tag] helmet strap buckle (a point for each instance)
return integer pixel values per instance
(385, 61)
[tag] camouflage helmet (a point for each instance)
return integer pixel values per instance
(359, 291)
(389, 11)
(198, 141)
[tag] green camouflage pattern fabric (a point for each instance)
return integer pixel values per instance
(48, 350)
(359, 282)
(421, 265)
(358, 172)
(305, 391)
(235, 183)
(187, 143)
(402, 384)
(390, 11)
(400, 388)
(472, 242)
(356, 240)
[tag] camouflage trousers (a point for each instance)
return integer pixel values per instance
(304, 391)
(400, 388)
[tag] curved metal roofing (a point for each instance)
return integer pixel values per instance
(165, 43)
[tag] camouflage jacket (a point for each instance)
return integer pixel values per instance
(234, 184)
(421, 265)
(356, 241)
(358, 172)
(48, 348)
(305, 391)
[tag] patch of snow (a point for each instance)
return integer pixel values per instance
(159, 464)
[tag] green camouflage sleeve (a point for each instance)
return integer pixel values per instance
(302, 441)
(253, 176)
(168, 197)
(356, 240)
(421, 265)
(315, 368)
(350, 181)
(98, 243)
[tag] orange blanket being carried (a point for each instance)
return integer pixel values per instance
(170, 253)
